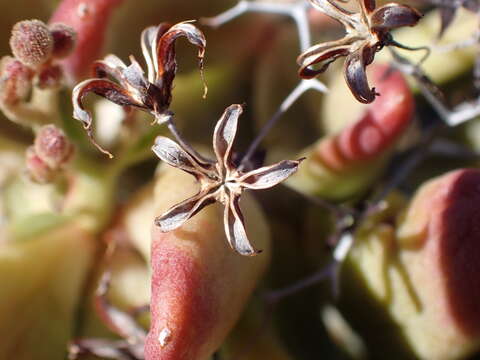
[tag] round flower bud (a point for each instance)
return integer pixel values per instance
(64, 38)
(15, 81)
(52, 146)
(31, 42)
(50, 77)
(37, 169)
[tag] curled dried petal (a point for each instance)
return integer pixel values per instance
(165, 53)
(322, 55)
(356, 76)
(178, 214)
(111, 65)
(235, 228)
(105, 88)
(269, 176)
(368, 5)
(149, 38)
(224, 135)
(393, 16)
(170, 152)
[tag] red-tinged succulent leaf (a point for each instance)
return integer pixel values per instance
(199, 285)
(393, 16)
(383, 122)
(89, 19)
(438, 244)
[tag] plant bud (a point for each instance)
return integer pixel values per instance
(37, 169)
(15, 81)
(64, 38)
(52, 146)
(50, 77)
(31, 42)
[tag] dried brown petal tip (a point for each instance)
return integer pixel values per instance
(31, 42)
(52, 146)
(64, 38)
(15, 81)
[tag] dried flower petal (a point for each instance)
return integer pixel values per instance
(235, 229)
(356, 76)
(220, 181)
(393, 16)
(269, 176)
(224, 134)
(178, 214)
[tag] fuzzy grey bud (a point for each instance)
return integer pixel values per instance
(31, 42)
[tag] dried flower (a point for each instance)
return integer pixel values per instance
(152, 93)
(31, 42)
(219, 180)
(366, 33)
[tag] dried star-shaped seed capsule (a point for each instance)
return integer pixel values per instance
(366, 33)
(152, 93)
(219, 180)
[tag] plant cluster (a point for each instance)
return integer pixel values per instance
(366, 245)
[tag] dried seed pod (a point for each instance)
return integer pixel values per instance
(52, 146)
(64, 38)
(31, 42)
(15, 81)
(37, 169)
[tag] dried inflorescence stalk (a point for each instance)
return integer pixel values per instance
(151, 92)
(367, 32)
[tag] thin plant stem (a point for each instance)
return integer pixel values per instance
(300, 89)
